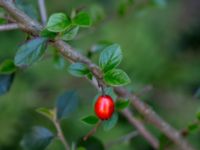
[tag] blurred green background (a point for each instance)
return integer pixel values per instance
(160, 40)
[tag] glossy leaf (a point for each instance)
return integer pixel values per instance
(91, 120)
(5, 83)
(78, 69)
(122, 104)
(7, 67)
(30, 52)
(58, 22)
(116, 77)
(82, 19)
(71, 34)
(48, 34)
(38, 139)
(46, 112)
(109, 124)
(110, 57)
(66, 104)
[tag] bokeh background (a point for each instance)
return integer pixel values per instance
(160, 40)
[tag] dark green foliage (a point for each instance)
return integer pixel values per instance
(7, 67)
(6, 82)
(66, 104)
(91, 120)
(91, 143)
(30, 52)
(38, 139)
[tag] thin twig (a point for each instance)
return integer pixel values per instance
(122, 139)
(10, 26)
(141, 128)
(60, 134)
(92, 131)
(69, 53)
(43, 12)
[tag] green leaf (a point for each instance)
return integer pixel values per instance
(38, 139)
(30, 52)
(6, 82)
(81, 148)
(7, 67)
(49, 113)
(58, 22)
(71, 34)
(48, 34)
(110, 57)
(3, 21)
(116, 77)
(193, 127)
(58, 60)
(78, 69)
(91, 120)
(66, 104)
(198, 115)
(109, 124)
(164, 142)
(82, 19)
(122, 104)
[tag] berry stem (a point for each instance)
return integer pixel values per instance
(92, 131)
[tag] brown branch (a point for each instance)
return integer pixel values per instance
(92, 131)
(74, 56)
(141, 128)
(60, 134)
(10, 26)
(155, 119)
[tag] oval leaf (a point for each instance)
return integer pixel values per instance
(116, 77)
(78, 69)
(5, 83)
(38, 139)
(110, 57)
(92, 120)
(46, 112)
(198, 115)
(82, 19)
(58, 22)
(122, 104)
(7, 67)
(109, 124)
(71, 34)
(66, 104)
(30, 52)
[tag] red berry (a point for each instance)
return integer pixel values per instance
(104, 107)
